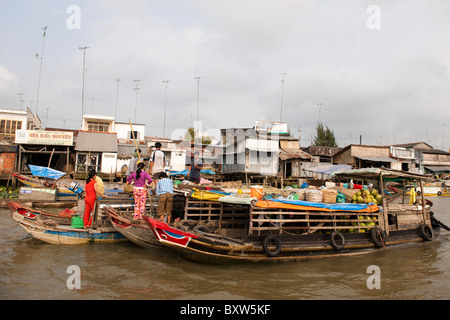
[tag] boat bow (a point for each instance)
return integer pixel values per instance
(167, 234)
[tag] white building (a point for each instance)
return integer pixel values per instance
(96, 145)
(123, 130)
(97, 123)
(12, 120)
(174, 155)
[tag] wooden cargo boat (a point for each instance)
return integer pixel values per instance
(54, 229)
(137, 231)
(441, 188)
(281, 230)
(120, 215)
(42, 184)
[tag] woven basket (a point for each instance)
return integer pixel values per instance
(314, 195)
(329, 196)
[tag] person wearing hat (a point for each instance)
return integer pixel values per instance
(132, 166)
(92, 193)
(157, 161)
(100, 184)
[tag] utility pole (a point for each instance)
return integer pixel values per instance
(165, 107)
(136, 89)
(40, 69)
(84, 86)
(21, 100)
(282, 94)
(46, 119)
(320, 108)
(117, 99)
(198, 102)
(443, 135)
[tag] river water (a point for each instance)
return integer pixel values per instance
(30, 270)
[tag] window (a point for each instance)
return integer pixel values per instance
(133, 135)
(10, 126)
(98, 126)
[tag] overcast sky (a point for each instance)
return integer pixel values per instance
(379, 69)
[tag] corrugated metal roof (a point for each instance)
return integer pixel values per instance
(289, 153)
(438, 168)
(375, 159)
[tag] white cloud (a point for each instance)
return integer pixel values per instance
(375, 83)
(6, 75)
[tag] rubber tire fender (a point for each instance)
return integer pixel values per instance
(340, 244)
(426, 232)
(267, 241)
(375, 237)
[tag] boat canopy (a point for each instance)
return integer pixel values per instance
(184, 172)
(316, 206)
(376, 172)
(45, 172)
(329, 169)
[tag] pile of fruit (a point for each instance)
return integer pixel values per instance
(9, 193)
(366, 196)
(364, 221)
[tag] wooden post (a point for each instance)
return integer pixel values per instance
(67, 161)
(134, 139)
(221, 217)
(51, 156)
(385, 210)
(423, 202)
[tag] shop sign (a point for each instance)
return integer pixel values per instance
(55, 138)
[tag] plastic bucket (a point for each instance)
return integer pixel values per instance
(256, 192)
(77, 222)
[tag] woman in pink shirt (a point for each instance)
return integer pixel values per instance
(140, 178)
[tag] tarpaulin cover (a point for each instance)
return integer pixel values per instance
(316, 206)
(184, 172)
(45, 172)
(210, 195)
(329, 169)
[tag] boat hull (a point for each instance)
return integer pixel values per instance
(216, 249)
(50, 230)
(136, 231)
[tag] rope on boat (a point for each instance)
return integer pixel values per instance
(381, 238)
(21, 232)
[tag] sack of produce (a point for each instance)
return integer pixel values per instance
(314, 195)
(301, 194)
(329, 196)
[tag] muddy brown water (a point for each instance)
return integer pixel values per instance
(30, 269)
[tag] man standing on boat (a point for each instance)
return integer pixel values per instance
(164, 191)
(157, 161)
(195, 168)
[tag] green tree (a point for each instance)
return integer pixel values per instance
(190, 135)
(324, 136)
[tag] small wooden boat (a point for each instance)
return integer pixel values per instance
(31, 212)
(440, 188)
(282, 230)
(55, 229)
(137, 231)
